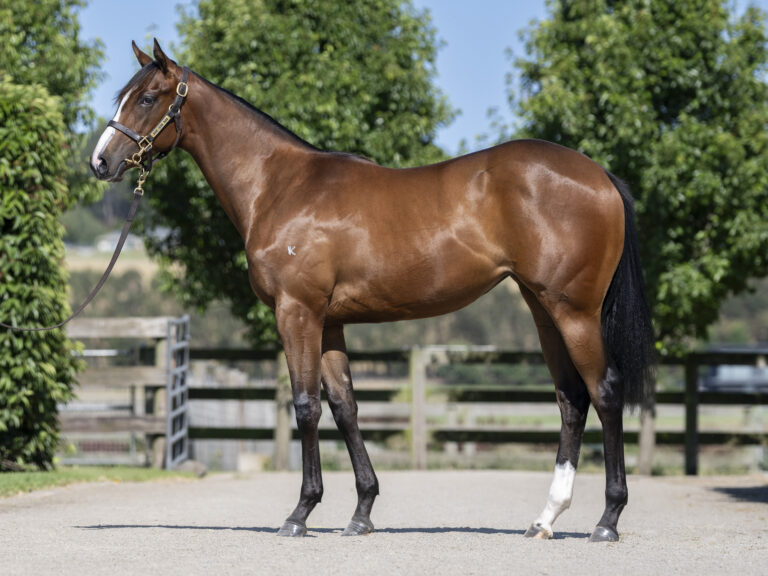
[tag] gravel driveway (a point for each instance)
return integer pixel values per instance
(426, 523)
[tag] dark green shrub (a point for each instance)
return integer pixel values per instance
(36, 369)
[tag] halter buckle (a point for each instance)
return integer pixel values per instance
(182, 88)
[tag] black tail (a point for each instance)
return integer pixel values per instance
(627, 329)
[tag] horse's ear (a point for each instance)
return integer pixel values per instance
(162, 60)
(142, 57)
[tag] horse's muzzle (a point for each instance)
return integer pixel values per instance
(100, 168)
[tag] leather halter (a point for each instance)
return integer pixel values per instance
(145, 142)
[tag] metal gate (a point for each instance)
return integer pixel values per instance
(177, 395)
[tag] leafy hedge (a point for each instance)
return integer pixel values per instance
(36, 369)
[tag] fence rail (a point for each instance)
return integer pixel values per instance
(417, 389)
(164, 416)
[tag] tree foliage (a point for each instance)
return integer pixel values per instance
(36, 369)
(354, 76)
(41, 44)
(671, 97)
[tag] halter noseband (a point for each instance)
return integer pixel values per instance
(145, 142)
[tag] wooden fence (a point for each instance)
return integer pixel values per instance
(418, 391)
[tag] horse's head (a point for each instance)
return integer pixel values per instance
(150, 101)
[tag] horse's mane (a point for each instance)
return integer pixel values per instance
(263, 115)
(142, 77)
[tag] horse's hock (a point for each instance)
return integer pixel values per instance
(131, 406)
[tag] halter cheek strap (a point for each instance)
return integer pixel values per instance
(145, 142)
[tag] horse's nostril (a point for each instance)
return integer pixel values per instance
(102, 167)
(99, 167)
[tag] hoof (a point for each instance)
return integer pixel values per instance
(603, 534)
(358, 527)
(292, 530)
(538, 532)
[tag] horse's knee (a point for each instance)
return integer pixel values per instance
(308, 411)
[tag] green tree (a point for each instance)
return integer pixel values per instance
(671, 97)
(351, 76)
(41, 44)
(36, 369)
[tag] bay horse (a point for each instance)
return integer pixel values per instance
(333, 238)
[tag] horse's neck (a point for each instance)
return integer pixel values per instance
(231, 144)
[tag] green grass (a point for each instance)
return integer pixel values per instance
(13, 483)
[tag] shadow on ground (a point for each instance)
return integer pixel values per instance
(757, 494)
(273, 530)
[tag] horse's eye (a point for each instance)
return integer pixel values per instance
(147, 100)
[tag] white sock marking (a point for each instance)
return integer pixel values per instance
(559, 498)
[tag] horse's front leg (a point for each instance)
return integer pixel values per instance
(301, 331)
(337, 382)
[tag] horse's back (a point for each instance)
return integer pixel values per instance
(429, 240)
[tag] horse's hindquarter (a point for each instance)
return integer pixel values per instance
(379, 244)
(567, 224)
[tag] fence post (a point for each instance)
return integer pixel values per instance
(418, 409)
(158, 406)
(283, 403)
(647, 438)
(691, 416)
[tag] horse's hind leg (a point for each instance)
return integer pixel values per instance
(337, 382)
(573, 400)
(582, 335)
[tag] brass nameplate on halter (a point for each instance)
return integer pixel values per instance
(159, 128)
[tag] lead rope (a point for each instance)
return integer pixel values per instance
(138, 192)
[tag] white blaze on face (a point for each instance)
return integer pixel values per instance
(559, 498)
(108, 133)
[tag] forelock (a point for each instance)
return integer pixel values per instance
(139, 81)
